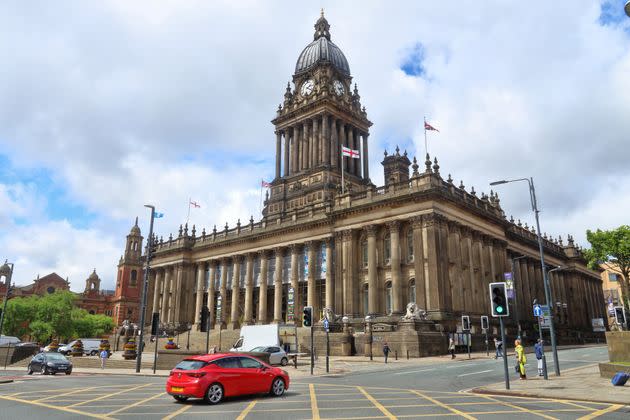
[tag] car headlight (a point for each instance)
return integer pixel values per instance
(51, 364)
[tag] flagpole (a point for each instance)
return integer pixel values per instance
(426, 150)
(188, 216)
(260, 203)
(343, 183)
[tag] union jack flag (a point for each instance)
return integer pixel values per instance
(265, 184)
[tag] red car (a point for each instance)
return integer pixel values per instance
(215, 376)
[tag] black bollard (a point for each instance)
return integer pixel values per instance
(395, 354)
(407, 354)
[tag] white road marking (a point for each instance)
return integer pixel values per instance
(413, 371)
(475, 373)
(458, 366)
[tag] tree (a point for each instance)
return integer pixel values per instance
(613, 247)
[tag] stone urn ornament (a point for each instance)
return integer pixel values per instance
(54, 346)
(77, 349)
(170, 344)
(130, 352)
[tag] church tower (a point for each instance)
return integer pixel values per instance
(320, 114)
(129, 278)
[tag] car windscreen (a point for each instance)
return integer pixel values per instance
(259, 349)
(190, 364)
(56, 357)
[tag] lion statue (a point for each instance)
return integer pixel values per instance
(414, 313)
(330, 315)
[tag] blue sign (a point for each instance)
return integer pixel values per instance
(537, 310)
(326, 324)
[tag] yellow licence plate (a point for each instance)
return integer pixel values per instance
(177, 389)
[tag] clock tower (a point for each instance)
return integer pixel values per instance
(320, 115)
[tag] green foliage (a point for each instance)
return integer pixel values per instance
(53, 315)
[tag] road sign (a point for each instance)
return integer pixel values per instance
(537, 311)
(290, 305)
(326, 324)
(598, 325)
(509, 284)
(545, 322)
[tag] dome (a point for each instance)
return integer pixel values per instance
(322, 50)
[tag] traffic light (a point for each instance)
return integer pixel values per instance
(205, 317)
(484, 322)
(465, 323)
(620, 315)
(307, 319)
(155, 323)
(499, 300)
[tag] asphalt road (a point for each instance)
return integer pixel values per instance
(425, 392)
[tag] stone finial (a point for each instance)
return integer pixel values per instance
(526, 226)
(363, 109)
(181, 230)
(214, 230)
(560, 239)
(519, 223)
(461, 184)
(415, 167)
(570, 241)
(532, 229)
(279, 108)
(545, 235)
(472, 191)
(397, 151)
(436, 167)
(194, 231)
(385, 153)
(511, 219)
(161, 240)
(226, 227)
(449, 180)
(203, 233)
(356, 90)
(427, 164)
(186, 229)
(170, 237)
(238, 223)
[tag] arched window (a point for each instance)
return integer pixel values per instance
(388, 298)
(365, 299)
(410, 245)
(92, 312)
(387, 248)
(412, 291)
(364, 253)
(134, 278)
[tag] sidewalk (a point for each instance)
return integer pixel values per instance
(583, 383)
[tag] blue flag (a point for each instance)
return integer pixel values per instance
(158, 215)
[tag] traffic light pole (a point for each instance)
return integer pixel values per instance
(145, 287)
(208, 332)
(312, 352)
(505, 362)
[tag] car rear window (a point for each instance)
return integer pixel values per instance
(55, 356)
(190, 364)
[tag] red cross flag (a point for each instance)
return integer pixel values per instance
(346, 151)
(194, 204)
(429, 127)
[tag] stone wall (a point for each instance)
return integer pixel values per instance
(618, 346)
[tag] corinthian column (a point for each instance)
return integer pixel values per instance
(310, 287)
(159, 275)
(201, 280)
(330, 286)
(236, 291)
(325, 141)
(295, 155)
(295, 249)
(278, 152)
(177, 293)
(304, 155)
(211, 292)
(372, 273)
(334, 144)
(262, 289)
(277, 287)
(165, 294)
(223, 295)
(350, 141)
(394, 232)
(366, 166)
(249, 290)
(287, 145)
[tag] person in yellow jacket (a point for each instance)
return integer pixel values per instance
(521, 359)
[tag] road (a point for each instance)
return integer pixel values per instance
(425, 392)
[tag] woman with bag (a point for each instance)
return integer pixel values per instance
(521, 359)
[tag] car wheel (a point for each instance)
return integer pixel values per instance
(93, 353)
(29, 369)
(214, 394)
(284, 361)
(180, 398)
(44, 370)
(68, 372)
(277, 387)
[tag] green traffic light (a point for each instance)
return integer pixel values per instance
(499, 309)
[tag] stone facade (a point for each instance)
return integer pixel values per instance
(362, 250)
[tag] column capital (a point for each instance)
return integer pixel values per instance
(453, 225)
(263, 253)
(347, 234)
(295, 248)
(486, 239)
(465, 231)
(416, 222)
(371, 230)
(201, 264)
(393, 225)
(237, 259)
(250, 256)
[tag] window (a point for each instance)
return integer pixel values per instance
(387, 248)
(248, 363)
(410, 245)
(612, 277)
(388, 298)
(412, 291)
(50, 290)
(134, 278)
(228, 363)
(92, 312)
(366, 301)
(364, 253)
(190, 364)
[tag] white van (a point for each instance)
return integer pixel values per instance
(90, 346)
(7, 339)
(257, 335)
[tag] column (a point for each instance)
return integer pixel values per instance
(159, 276)
(249, 290)
(304, 154)
(177, 293)
(287, 143)
(372, 273)
(201, 280)
(394, 232)
(429, 236)
(335, 151)
(223, 292)
(527, 298)
(211, 292)
(295, 139)
(236, 291)
(149, 297)
(342, 142)
(312, 264)
(455, 267)
(330, 287)
(418, 262)
(295, 249)
(166, 287)
(262, 289)
(350, 140)
(315, 143)
(366, 166)
(465, 249)
(277, 286)
(278, 152)
(325, 140)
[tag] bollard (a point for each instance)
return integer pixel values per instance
(395, 354)
(407, 354)
(6, 358)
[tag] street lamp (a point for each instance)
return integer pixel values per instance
(627, 8)
(368, 327)
(532, 197)
(145, 287)
(7, 273)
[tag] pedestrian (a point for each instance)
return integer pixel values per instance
(104, 354)
(521, 359)
(451, 347)
(385, 350)
(498, 348)
(538, 349)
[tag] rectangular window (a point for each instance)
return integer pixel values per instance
(612, 277)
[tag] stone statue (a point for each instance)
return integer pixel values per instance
(330, 315)
(414, 313)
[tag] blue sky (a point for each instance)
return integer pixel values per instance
(120, 104)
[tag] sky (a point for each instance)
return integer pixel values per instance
(107, 106)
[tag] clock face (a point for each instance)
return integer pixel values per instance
(307, 87)
(338, 86)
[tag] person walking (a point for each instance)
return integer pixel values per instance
(521, 359)
(498, 348)
(104, 355)
(385, 350)
(538, 349)
(451, 347)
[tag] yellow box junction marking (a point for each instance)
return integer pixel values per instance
(314, 408)
(137, 403)
(377, 404)
(441, 404)
(178, 412)
(601, 412)
(55, 407)
(246, 411)
(102, 397)
(523, 409)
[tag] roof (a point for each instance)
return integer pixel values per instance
(322, 50)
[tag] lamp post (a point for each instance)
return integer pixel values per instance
(6, 271)
(627, 8)
(516, 315)
(368, 327)
(189, 326)
(532, 197)
(145, 287)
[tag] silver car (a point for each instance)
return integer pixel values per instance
(277, 356)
